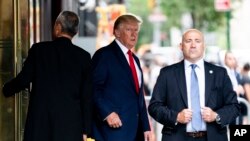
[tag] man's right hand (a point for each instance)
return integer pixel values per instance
(184, 116)
(114, 120)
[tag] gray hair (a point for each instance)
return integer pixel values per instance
(69, 22)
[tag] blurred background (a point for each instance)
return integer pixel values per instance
(225, 24)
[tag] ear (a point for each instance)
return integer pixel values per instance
(180, 46)
(57, 29)
(117, 33)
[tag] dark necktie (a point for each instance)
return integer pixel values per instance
(132, 67)
(195, 100)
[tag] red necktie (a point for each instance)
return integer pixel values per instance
(132, 67)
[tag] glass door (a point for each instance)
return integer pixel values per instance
(7, 105)
(15, 41)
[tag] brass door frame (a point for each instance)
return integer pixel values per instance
(16, 46)
(21, 45)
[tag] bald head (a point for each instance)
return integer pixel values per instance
(192, 30)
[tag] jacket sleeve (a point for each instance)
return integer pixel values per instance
(24, 78)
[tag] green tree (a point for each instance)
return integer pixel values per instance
(142, 9)
(202, 13)
(203, 16)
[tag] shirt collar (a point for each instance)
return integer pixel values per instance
(122, 47)
(199, 63)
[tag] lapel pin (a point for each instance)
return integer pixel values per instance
(210, 71)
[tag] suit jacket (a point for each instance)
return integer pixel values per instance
(170, 97)
(114, 91)
(59, 107)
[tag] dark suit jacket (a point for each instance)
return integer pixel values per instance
(59, 107)
(170, 97)
(114, 91)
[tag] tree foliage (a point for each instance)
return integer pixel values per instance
(202, 13)
(141, 9)
(203, 16)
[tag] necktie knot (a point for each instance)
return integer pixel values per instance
(129, 52)
(193, 66)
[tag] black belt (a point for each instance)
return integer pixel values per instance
(198, 134)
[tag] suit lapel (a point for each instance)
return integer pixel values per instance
(209, 77)
(119, 54)
(181, 79)
(123, 61)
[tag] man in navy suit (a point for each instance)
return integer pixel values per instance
(119, 99)
(171, 100)
(61, 94)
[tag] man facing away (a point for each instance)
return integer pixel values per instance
(193, 99)
(60, 74)
(118, 87)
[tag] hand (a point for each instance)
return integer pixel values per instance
(239, 90)
(208, 115)
(114, 120)
(147, 136)
(184, 116)
(84, 137)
